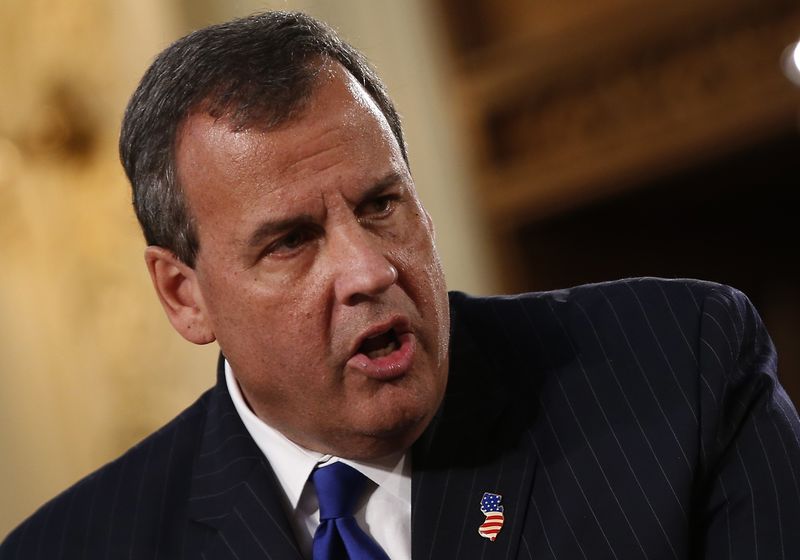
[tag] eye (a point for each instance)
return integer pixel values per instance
(290, 243)
(377, 207)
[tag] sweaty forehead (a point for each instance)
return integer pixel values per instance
(335, 100)
(340, 134)
(338, 112)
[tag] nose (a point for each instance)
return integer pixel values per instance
(362, 270)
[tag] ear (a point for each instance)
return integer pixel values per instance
(178, 290)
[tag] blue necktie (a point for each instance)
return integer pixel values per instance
(338, 537)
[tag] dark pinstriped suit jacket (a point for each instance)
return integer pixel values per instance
(634, 419)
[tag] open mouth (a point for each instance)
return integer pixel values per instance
(380, 345)
(387, 353)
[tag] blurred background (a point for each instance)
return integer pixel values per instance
(554, 143)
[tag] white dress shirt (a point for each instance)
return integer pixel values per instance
(384, 511)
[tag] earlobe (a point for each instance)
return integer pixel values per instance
(176, 285)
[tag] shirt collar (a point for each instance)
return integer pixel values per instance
(293, 464)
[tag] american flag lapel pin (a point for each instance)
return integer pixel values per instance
(491, 508)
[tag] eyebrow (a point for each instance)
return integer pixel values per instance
(269, 228)
(390, 179)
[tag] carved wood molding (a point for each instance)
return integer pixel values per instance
(602, 128)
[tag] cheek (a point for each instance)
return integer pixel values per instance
(244, 316)
(418, 257)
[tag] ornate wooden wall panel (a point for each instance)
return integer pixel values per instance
(566, 105)
(622, 137)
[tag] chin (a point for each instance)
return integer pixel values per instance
(390, 436)
(373, 448)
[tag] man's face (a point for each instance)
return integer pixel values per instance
(317, 272)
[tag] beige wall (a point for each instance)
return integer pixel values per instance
(89, 364)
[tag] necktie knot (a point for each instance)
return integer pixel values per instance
(339, 487)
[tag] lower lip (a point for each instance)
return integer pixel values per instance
(391, 366)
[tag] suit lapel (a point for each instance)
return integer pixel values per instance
(446, 511)
(234, 493)
(478, 442)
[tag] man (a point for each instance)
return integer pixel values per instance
(636, 419)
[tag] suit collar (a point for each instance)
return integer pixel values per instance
(234, 491)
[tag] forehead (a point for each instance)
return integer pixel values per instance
(337, 106)
(340, 139)
(334, 99)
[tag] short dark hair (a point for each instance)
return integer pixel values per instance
(254, 71)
